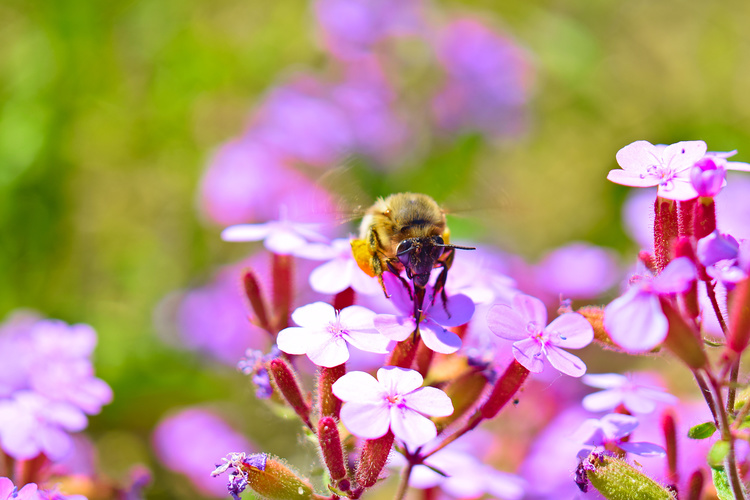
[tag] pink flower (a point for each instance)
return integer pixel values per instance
(636, 392)
(279, 236)
(323, 333)
(645, 165)
(524, 323)
(340, 271)
(395, 401)
(9, 492)
(635, 320)
(613, 429)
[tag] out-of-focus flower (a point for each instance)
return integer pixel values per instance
(323, 333)
(525, 323)
(726, 259)
(8, 491)
(457, 310)
(577, 271)
(254, 364)
(396, 400)
(612, 429)
(635, 320)
(483, 277)
(278, 236)
(188, 442)
(707, 177)
(635, 392)
(668, 167)
(351, 28)
(487, 79)
(31, 424)
(340, 271)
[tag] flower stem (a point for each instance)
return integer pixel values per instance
(404, 484)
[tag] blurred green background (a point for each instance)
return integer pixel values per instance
(109, 112)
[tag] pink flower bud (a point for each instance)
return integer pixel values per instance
(275, 481)
(668, 427)
(330, 405)
(505, 388)
(330, 446)
(255, 297)
(283, 376)
(682, 339)
(739, 317)
(705, 217)
(372, 460)
(665, 230)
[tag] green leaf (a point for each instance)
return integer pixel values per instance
(702, 431)
(721, 483)
(616, 479)
(717, 454)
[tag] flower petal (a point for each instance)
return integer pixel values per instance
(638, 156)
(528, 352)
(635, 321)
(359, 387)
(604, 380)
(506, 323)
(374, 342)
(460, 309)
(366, 420)
(683, 155)
(602, 400)
(571, 330)
(676, 277)
(247, 232)
(411, 427)
(327, 350)
(314, 315)
(678, 189)
(293, 340)
(530, 308)
(283, 241)
(429, 401)
(332, 277)
(438, 338)
(397, 381)
(618, 425)
(565, 362)
(357, 317)
(632, 179)
(643, 449)
(396, 328)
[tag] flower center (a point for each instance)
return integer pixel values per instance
(335, 327)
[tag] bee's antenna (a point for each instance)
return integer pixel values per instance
(456, 246)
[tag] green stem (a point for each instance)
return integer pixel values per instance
(404, 484)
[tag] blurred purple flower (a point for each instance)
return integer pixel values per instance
(254, 364)
(726, 259)
(351, 28)
(457, 311)
(396, 400)
(323, 333)
(635, 392)
(279, 236)
(707, 178)
(577, 271)
(612, 429)
(635, 320)
(483, 278)
(56, 495)
(487, 79)
(340, 271)
(31, 424)
(188, 442)
(8, 491)
(525, 323)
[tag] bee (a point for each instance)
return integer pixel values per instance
(406, 231)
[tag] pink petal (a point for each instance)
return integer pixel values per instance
(327, 350)
(565, 362)
(357, 317)
(506, 323)
(638, 404)
(283, 241)
(429, 401)
(602, 401)
(677, 189)
(370, 342)
(359, 387)
(643, 449)
(396, 381)
(635, 321)
(604, 380)
(631, 178)
(332, 277)
(6, 487)
(530, 308)
(638, 156)
(366, 420)
(293, 340)
(676, 277)
(617, 425)
(438, 338)
(314, 315)
(247, 232)
(460, 310)
(55, 442)
(572, 331)
(683, 155)
(411, 427)
(528, 353)
(737, 165)
(396, 328)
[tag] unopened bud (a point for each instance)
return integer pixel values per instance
(282, 289)
(665, 231)
(286, 382)
(372, 460)
(270, 478)
(255, 297)
(423, 358)
(689, 297)
(403, 354)
(505, 388)
(682, 339)
(739, 317)
(616, 479)
(705, 217)
(330, 446)
(595, 316)
(330, 405)
(648, 260)
(669, 427)
(695, 486)
(464, 392)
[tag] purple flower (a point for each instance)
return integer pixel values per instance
(577, 271)
(281, 236)
(238, 476)
(525, 323)
(645, 165)
(611, 429)
(254, 364)
(31, 424)
(635, 392)
(707, 177)
(188, 442)
(635, 320)
(9, 492)
(457, 311)
(340, 271)
(483, 278)
(396, 400)
(487, 79)
(323, 333)
(726, 259)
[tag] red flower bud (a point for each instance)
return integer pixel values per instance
(330, 446)
(286, 382)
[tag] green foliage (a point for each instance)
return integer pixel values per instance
(717, 453)
(702, 431)
(616, 479)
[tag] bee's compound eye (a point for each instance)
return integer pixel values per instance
(438, 240)
(404, 247)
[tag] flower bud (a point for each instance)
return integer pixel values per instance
(330, 405)
(616, 479)
(682, 339)
(286, 382)
(464, 392)
(739, 317)
(372, 460)
(669, 427)
(505, 388)
(705, 217)
(695, 486)
(330, 446)
(282, 289)
(403, 354)
(595, 316)
(689, 297)
(254, 296)
(665, 231)
(270, 478)
(707, 177)
(686, 215)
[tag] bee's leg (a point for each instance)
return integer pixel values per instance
(419, 293)
(396, 272)
(377, 267)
